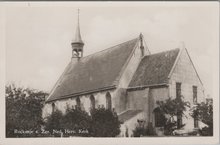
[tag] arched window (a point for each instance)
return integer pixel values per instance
(159, 117)
(53, 107)
(108, 101)
(78, 102)
(92, 99)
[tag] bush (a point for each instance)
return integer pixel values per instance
(105, 123)
(77, 121)
(54, 123)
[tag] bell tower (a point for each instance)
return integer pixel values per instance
(77, 43)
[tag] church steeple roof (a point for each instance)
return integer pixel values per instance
(77, 43)
(78, 38)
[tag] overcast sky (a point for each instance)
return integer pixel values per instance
(38, 37)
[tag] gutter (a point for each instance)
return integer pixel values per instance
(146, 86)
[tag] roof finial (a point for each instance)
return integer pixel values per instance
(78, 38)
(78, 16)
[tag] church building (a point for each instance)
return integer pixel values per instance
(129, 79)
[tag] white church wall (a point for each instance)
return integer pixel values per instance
(186, 75)
(119, 100)
(146, 100)
(85, 103)
(71, 102)
(47, 110)
(100, 100)
(138, 100)
(156, 94)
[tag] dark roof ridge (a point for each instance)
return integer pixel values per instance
(108, 48)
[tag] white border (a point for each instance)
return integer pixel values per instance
(65, 141)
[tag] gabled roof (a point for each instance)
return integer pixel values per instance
(154, 69)
(96, 72)
(128, 115)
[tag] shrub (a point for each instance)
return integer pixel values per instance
(78, 121)
(54, 123)
(104, 123)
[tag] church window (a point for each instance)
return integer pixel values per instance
(78, 102)
(92, 99)
(195, 94)
(108, 101)
(179, 114)
(53, 107)
(178, 90)
(159, 117)
(196, 123)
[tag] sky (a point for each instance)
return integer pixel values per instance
(38, 35)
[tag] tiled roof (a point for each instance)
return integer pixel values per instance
(154, 69)
(94, 72)
(128, 115)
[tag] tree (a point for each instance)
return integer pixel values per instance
(105, 123)
(23, 110)
(172, 108)
(76, 122)
(204, 112)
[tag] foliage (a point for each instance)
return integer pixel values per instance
(76, 120)
(23, 110)
(54, 122)
(169, 127)
(105, 123)
(142, 130)
(172, 108)
(204, 112)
